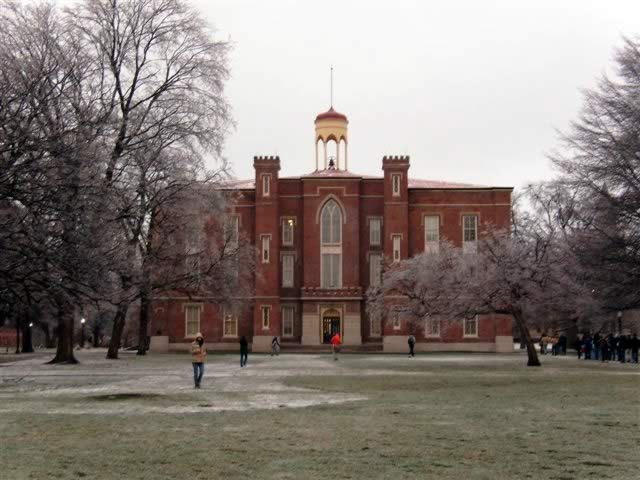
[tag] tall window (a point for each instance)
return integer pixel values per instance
(266, 317)
(395, 315)
(396, 247)
(469, 233)
(266, 185)
(192, 320)
(375, 269)
(287, 321)
(471, 327)
(233, 231)
(376, 327)
(433, 327)
(331, 245)
(230, 325)
(431, 233)
(287, 231)
(266, 239)
(395, 184)
(287, 270)
(375, 229)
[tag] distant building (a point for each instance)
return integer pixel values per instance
(322, 239)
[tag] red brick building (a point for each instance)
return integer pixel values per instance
(322, 239)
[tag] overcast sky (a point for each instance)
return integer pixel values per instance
(473, 90)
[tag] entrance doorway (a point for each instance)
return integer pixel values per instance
(330, 325)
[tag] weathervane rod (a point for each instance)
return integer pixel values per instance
(331, 99)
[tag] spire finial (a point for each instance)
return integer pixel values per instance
(331, 99)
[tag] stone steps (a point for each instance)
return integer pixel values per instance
(364, 348)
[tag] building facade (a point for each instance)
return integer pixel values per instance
(322, 239)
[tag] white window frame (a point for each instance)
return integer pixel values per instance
(288, 272)
(470, 246)
(288, 315)
(396, 241)
(375, 269)
(476, 321)
(266, 185)
(233, 232)
(191, 307)
(396, 320)
(375, 327)
(396, 184)
(331, 248)
(234, 319)
(265, 251)
(431, 245)
(288, 231)
(431, 321)
(375, 236)
(265, 314)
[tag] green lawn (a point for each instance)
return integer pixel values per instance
(306, 417)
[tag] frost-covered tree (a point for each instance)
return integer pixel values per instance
(528, 273)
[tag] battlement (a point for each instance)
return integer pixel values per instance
(269, 161)
(395, 158)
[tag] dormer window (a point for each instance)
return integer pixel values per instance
(395, 184)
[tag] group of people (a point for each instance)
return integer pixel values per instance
(558, 344)
(621, 348)
(199, 353)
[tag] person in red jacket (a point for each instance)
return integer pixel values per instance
(335, 345)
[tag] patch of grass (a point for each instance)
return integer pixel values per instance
(125, 396)
(478, 419)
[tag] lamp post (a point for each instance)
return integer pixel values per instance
(82, 320)
(619, 323)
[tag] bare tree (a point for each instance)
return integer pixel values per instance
(160, 73)
(599, 161)
(47, 177)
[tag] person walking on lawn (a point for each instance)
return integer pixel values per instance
(412, 343)
(244, 351)
(275, 346)
(198, 356)
(335, 345)
(634, 345)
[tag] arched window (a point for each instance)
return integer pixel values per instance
(331, 224)
(331, 245)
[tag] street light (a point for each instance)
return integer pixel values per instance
(82, 320)
(620, 323)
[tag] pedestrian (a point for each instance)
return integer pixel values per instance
(634, 345)
(542, 345)
(244, 351)
(335, 345)
(198, 356)
(563, 344)
(603, 346)
(412, 343)
(275, 346)
(622, 349)
(596, 346)
(588, 344)
(578, 346)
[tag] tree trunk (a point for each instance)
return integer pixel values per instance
(145, 306)
(532, 354)
(116, 333)
(64, 352)
(18, 333)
